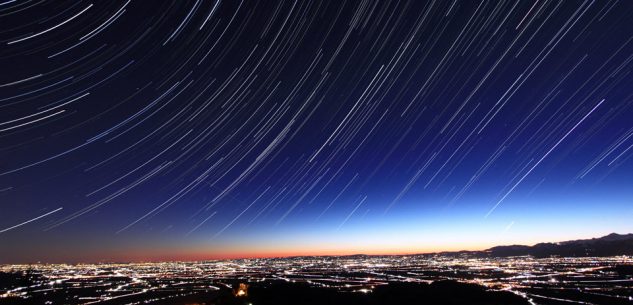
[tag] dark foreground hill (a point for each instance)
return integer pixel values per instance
(437, 293)
(288, 293)
(610, 245)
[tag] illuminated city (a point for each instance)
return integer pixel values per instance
(587, 280)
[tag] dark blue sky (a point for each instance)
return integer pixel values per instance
(201, 129)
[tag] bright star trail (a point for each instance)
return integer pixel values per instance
(200, 129)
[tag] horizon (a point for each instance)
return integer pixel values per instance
(191, 129)
(283, 256)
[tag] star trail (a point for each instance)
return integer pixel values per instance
(199, 129)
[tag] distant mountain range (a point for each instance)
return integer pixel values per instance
(610, 245)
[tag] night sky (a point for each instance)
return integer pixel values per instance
(134, 130)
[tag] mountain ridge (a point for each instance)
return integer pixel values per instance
(613, 244)
(609, 245)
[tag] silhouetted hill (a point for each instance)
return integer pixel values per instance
(610, 245)
(437, 293)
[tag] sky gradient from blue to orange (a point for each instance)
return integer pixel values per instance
(218, 129)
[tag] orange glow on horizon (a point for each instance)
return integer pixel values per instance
(160, 253)
(203, 254)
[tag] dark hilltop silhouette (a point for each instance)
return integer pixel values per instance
(437, 293)
(611, 245)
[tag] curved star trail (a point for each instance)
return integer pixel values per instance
(207, 125)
